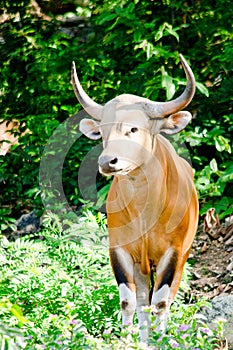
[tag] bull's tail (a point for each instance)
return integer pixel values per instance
(152, 283)
(145, 263)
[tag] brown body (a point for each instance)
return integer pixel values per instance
(152, 206)
(154, 209)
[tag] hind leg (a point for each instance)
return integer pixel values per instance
(168, 277)
(142, 294)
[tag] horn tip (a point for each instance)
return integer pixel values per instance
(73, 72)
(182, 58)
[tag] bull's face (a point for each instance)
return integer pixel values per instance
(127, 141)
(128, 125)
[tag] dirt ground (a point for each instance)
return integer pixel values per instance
(212, 254)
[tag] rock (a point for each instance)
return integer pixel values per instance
(230, 266)
(222, 308)
(28, 223)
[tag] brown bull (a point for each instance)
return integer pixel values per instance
(152, 205)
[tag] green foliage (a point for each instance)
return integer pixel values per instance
(151, 42)
(58, 292)
(6, 221)
(59, 269)
(192, 333)
(121, 46)
(211, 157)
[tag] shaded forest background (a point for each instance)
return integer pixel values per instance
(119, 47)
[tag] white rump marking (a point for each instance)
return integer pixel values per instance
(126, 261)
(164, 261)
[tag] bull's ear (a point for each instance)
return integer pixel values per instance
(90, 128)
(176, 122)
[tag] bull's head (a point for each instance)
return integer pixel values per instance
(128, 124)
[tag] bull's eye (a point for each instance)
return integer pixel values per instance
(96, 133)
(133, 130)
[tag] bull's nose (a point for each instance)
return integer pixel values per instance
(107, 163)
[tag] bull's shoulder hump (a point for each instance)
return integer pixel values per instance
(165, 143)
(180, 162)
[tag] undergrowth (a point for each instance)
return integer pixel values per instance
(58, 292)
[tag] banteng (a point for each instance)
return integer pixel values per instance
(152, 205)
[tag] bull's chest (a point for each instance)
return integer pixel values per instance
(133, 213)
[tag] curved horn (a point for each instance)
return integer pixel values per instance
(161, 109)
(91, 107)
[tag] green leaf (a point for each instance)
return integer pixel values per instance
(172, 32)
(113, 26)
(137, 35)
(131, 7)
(106, 17)
(222, 144)
(164, 30)
(202, 89)
(149, 50)
(167, 84)
(159, 33)
(202, 183)
(214, 165)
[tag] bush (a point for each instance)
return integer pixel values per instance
(58, 292)
(118, 47)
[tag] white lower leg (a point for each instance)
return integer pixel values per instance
(144, 323)
(128, 304)
(142, 284)
(161, 302)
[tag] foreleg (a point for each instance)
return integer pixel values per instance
(123, 268)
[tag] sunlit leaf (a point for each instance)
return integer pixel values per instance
(172, 32)
(202, 89)
(213, 165)
(168, 84)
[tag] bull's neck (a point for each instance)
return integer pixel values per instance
(133, 196)
(144, 183)
(148, 170)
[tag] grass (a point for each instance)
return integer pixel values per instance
(58, 292)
